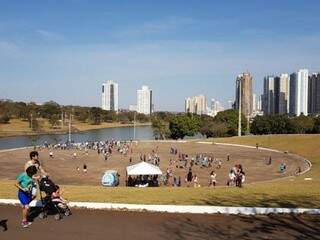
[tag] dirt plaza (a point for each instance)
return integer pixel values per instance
(67, 169)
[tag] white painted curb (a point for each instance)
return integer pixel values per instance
(179, 209)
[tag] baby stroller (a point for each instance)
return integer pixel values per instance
(48, 205)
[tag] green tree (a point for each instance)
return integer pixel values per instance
(95, 116)
(302, 124)
(160, 129)
(54, 120)
(316, 127)
(214, 129)
(5, 119)
(184, 125)
(49, 108)
(109, 116)
(123, 118)
(230, 118)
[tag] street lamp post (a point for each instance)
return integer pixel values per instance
(134, 126)
(70, 128)
(240, 110)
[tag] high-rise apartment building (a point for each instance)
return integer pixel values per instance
(268, 105)
(257, 105)
(281, 87)
(110, 96)
(144, 100)
(196, 105)
(299, 92)
(245, 81)
(314, 94)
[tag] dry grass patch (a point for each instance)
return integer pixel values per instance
(289, 192)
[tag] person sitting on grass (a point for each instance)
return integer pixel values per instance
(25, 184)
(282, 167)
(196, 181)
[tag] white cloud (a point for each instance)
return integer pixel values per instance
(49, 35)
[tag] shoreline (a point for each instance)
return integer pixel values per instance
(9, 134)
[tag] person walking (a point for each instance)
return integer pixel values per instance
(212, 180)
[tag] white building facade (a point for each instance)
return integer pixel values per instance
(144, 100)
(299, 92)
(196, 105)
(110, 96)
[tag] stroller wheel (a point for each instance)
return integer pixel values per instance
(57, 217)
(67, 213)
(42, 215)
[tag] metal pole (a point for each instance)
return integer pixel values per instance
(70, 129)
(62, 120)
(240, 109)
(134, 126)
(31, 122)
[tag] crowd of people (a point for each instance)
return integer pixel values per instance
(143, 181)
(177, 160)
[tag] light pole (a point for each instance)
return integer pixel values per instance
(70, 128)
(240, 110)
(134, 126)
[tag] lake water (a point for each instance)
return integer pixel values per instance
(125, 133)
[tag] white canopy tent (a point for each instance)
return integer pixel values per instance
(143, 168)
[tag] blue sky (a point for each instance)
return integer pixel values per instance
(64, 50)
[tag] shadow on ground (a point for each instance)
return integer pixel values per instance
(4, 225)
(263, 200)
(280, 227)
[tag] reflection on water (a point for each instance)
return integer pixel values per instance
(126, 133)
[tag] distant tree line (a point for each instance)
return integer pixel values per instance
(181, 125)
(177, 126)
(53, 112)
(165, 125)
(283, 124)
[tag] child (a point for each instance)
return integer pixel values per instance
(56, 198)
(25, 184)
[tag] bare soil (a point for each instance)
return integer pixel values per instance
(63, 167)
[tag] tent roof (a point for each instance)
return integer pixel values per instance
(143, 168)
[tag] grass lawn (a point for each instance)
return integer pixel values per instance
(289, 192)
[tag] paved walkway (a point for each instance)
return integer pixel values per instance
(96, 225)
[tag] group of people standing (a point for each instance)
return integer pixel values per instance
(28, 182)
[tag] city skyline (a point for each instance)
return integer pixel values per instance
(62, 51)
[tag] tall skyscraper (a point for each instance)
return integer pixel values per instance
(144, 100)
(299, 92)
(110, 96)
(281, 89)
(314, 94)
(245, 80)
(196, 105)
(268, 105)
